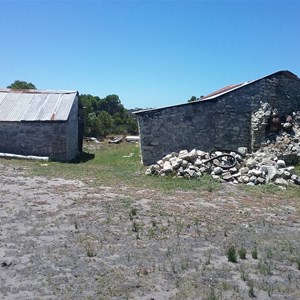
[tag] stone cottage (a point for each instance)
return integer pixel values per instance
(235, 116)
(40, 123)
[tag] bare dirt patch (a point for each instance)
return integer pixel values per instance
(61, 239)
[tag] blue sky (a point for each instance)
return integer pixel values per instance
(151, 53)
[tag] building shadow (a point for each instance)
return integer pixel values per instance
(83, 157)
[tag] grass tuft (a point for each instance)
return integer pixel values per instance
(231, 254)
(254, 253)
(242, 253)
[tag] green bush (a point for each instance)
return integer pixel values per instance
(242, 253)
(231, 254)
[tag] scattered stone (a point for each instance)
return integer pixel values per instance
(218, 170)
(201, 154)
(255, 172)
(198, 162)
(272, 162)
(175, 162)
(260, 180)
(243, 151)
(192, 155)
(167, 167)
(250, 163)
(233, 170)
(227, 176)
(183, 154)
(280, 164)
(272, 173)
(245, 179)
(281, 181)
(287, 126)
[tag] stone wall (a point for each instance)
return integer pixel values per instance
(222, 122)
(73, 132)
(56, 139)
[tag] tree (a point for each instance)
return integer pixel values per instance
(193, 98)
(92, 125)
(111, 104)
(22, 85)
(106, 116)
(105, 123)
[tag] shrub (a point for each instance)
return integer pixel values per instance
(231, 254)
(254, 253)
(242, 253)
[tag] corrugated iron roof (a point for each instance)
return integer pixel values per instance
(35, 105)
(223, 90)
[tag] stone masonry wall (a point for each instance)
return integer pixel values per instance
(56, 139)
(224, 122)
(72, 132)
(34, 138)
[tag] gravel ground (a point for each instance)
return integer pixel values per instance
(61, 239)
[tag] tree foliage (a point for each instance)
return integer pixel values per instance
(22, 85)
(192, 99)
(106, 116)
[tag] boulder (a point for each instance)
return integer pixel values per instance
(281, 181)
(175, 162)
(183, 154)
(192, 155)
(218, 170)
(227, 176)
(201, 154)
(272, 173)
(260, 180)
(280, 164)
(245, 179)
(250, 163)
(255, 172)
(243, 150)
(167, 167)
(198, 162)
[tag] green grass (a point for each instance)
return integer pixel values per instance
(111, 165)
(260, 191)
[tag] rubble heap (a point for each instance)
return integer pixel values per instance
(272, 162)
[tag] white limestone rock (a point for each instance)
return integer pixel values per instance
(183, 154)
(255, 172)
(250, 163)
(198, 162)
(167, 157)
(245, 179)
(175, 162)
(167, 167)
(272, 173)
(281, 181)
(192, 155)
(218, 171)
(243, 150)
(160, 163)
(280, 164)
(201, 154)
(184, 163)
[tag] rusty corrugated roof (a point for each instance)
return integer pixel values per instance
(223, 90)
(35, 105)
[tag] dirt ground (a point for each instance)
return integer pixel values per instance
(61, 239)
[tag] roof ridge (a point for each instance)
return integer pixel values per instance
(32, 91)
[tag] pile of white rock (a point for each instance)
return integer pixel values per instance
(252, 169)
(273, 162)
